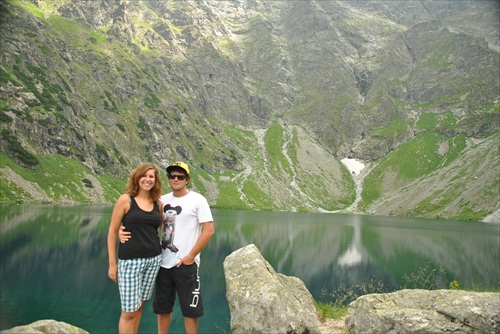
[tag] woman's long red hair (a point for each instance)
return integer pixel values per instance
(133, 181)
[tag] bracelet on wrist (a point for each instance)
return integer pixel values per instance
(189, 257)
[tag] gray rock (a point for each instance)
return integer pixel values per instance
(263, 301)
(423, 311)
(46, 327)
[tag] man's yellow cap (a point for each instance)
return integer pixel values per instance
(178, 164)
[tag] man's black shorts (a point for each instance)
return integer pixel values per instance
(183, 280)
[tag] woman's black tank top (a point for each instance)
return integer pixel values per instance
(143, 225)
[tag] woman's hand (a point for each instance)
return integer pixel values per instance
(113, 272)
(123, 235)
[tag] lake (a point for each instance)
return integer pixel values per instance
(54, 259)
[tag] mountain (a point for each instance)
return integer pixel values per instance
(262, 98)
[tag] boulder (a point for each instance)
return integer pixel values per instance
(424, 311)
(46, 327)
(263, 301)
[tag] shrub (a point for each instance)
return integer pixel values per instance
(87, 183)
(5, 118)
(18, 152)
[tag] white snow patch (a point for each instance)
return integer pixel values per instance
(355, 166)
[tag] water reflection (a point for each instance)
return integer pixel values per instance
(355, 254)
(326, 249)
(54, 259)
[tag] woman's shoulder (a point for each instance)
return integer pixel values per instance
(124, 198)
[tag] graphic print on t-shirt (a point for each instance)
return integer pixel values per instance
(167, 240)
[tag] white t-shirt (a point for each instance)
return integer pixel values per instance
(182, 219)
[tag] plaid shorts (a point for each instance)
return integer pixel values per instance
(136, 280)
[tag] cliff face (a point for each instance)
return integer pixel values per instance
(261, 97)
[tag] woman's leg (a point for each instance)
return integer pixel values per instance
(130, 321)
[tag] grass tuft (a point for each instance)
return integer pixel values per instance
(335, 303)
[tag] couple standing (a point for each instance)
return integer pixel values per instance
(144, 263)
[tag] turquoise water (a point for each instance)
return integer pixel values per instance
(54, 259)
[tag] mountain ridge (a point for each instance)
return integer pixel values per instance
(109, 85)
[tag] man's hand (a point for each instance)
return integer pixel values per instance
(123, 235)
(186, 260)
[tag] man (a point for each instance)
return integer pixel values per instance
(187, 229)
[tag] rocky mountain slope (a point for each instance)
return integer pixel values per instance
(262, 98)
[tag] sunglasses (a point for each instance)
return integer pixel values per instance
(178, 176)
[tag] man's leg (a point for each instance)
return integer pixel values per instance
(164, 298)
(189, 289)
(164, 323)
(191, 325)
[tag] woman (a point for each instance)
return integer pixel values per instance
(139, 210)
